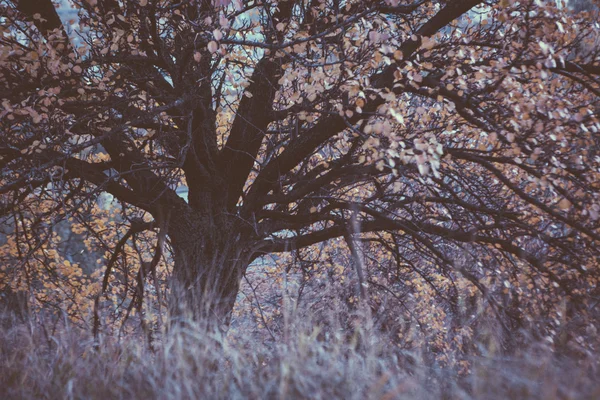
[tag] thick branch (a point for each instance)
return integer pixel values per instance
(452, 11)
(49, 19)
(330, 126)
(248, 130)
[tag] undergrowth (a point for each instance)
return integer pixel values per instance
(193, 362)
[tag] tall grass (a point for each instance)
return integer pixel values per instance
(308, 361)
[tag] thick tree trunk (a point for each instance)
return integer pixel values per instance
(208, 265)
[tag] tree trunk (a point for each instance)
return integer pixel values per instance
(208, 265)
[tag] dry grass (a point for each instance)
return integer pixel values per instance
(193, 363)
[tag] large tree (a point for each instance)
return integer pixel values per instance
(461, 125)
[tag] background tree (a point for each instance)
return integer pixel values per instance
(460, 136)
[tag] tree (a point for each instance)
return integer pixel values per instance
(443, 128)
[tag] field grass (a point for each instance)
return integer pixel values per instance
(195, 363)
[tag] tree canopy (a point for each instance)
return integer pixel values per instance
(459, 138)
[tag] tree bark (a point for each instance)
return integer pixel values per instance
(209, 261)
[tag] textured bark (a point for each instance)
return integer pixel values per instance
(208, 266)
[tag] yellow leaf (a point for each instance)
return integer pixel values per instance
(564, 204)
(212, 46)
